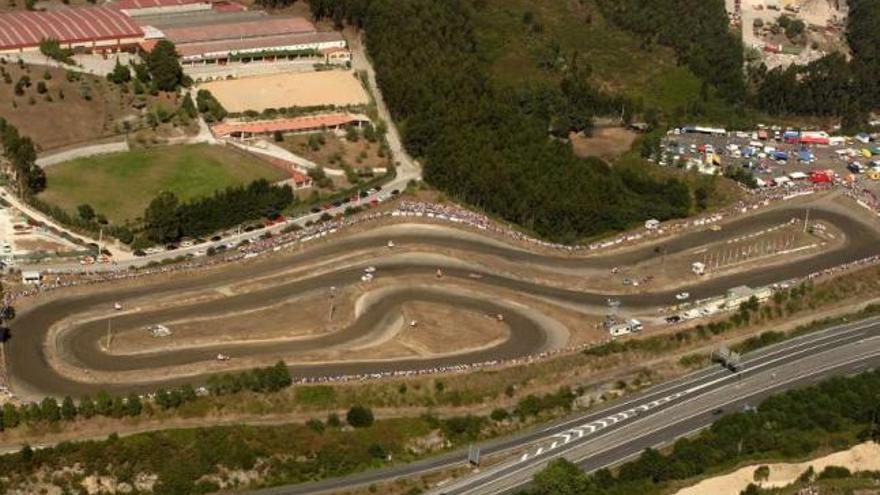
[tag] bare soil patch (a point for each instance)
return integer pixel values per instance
(300, 317)
(862, 457)
(606, 142)
(437, 327)
(310, 89)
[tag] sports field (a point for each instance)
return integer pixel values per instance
(120, 185)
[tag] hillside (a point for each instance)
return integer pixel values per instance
(524, 39)
(59, 108)
(496, 141)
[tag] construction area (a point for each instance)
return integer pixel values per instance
(23, 239)
(785, 32)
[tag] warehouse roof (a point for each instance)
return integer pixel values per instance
(228, 46)
(149, 4)
(286, 125)
(71, 25)
(240, 30)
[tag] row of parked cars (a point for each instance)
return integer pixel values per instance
(354, 199)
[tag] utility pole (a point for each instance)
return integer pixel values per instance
(806, 220)
(109, 333)
(332, 307)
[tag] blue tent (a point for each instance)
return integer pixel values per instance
(780, 155)
(805, 156)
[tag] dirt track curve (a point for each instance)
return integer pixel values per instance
(27, 352)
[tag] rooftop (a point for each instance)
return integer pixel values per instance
(227, 46)
(69, 25)
(286, 125)
(148, 4)
(275, 26)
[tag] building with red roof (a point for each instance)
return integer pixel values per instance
(268, 40)
(85, 29)
(296, 125)
(270, 26)
(136, 8)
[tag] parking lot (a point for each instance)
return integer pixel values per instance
(769, 156)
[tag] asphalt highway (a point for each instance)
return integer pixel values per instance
(696, 398)
(28, 363)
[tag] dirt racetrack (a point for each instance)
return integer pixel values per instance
(308, 89)
(56, 346)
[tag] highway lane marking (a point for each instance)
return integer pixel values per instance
(601, 424)
(518, 467)
(840, 332)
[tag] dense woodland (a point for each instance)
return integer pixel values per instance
(792, 425)
(500, 149)
(493, 148)
(698, 32)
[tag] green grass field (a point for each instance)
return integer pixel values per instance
(120, 185)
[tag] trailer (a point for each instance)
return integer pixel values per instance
(821, 176)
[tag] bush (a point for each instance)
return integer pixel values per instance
(359, 417)
(52, 49)
(499, 414)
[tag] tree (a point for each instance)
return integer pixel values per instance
(11, 417)
(103, 404)
(209, 106)
(560, 477)
(120, 74)
(359, 417)
(86, 407)
(188, 108)
(499, 414)
(118, 409)
(85, 212)
(7, 313)
(164, 67)
(68, 409)
(751, 489)
(52, 49)
(161, 218)
(50, 410)
(762, 473)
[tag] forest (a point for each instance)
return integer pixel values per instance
(698, 32)
(21, 155)
(495, 148)
(166, 219)
(793, 425)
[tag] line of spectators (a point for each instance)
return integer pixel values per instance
(446, 212)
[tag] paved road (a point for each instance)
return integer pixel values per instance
(656, 416)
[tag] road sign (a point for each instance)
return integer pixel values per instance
(474, 455)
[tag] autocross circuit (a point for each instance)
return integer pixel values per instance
(59, 343)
